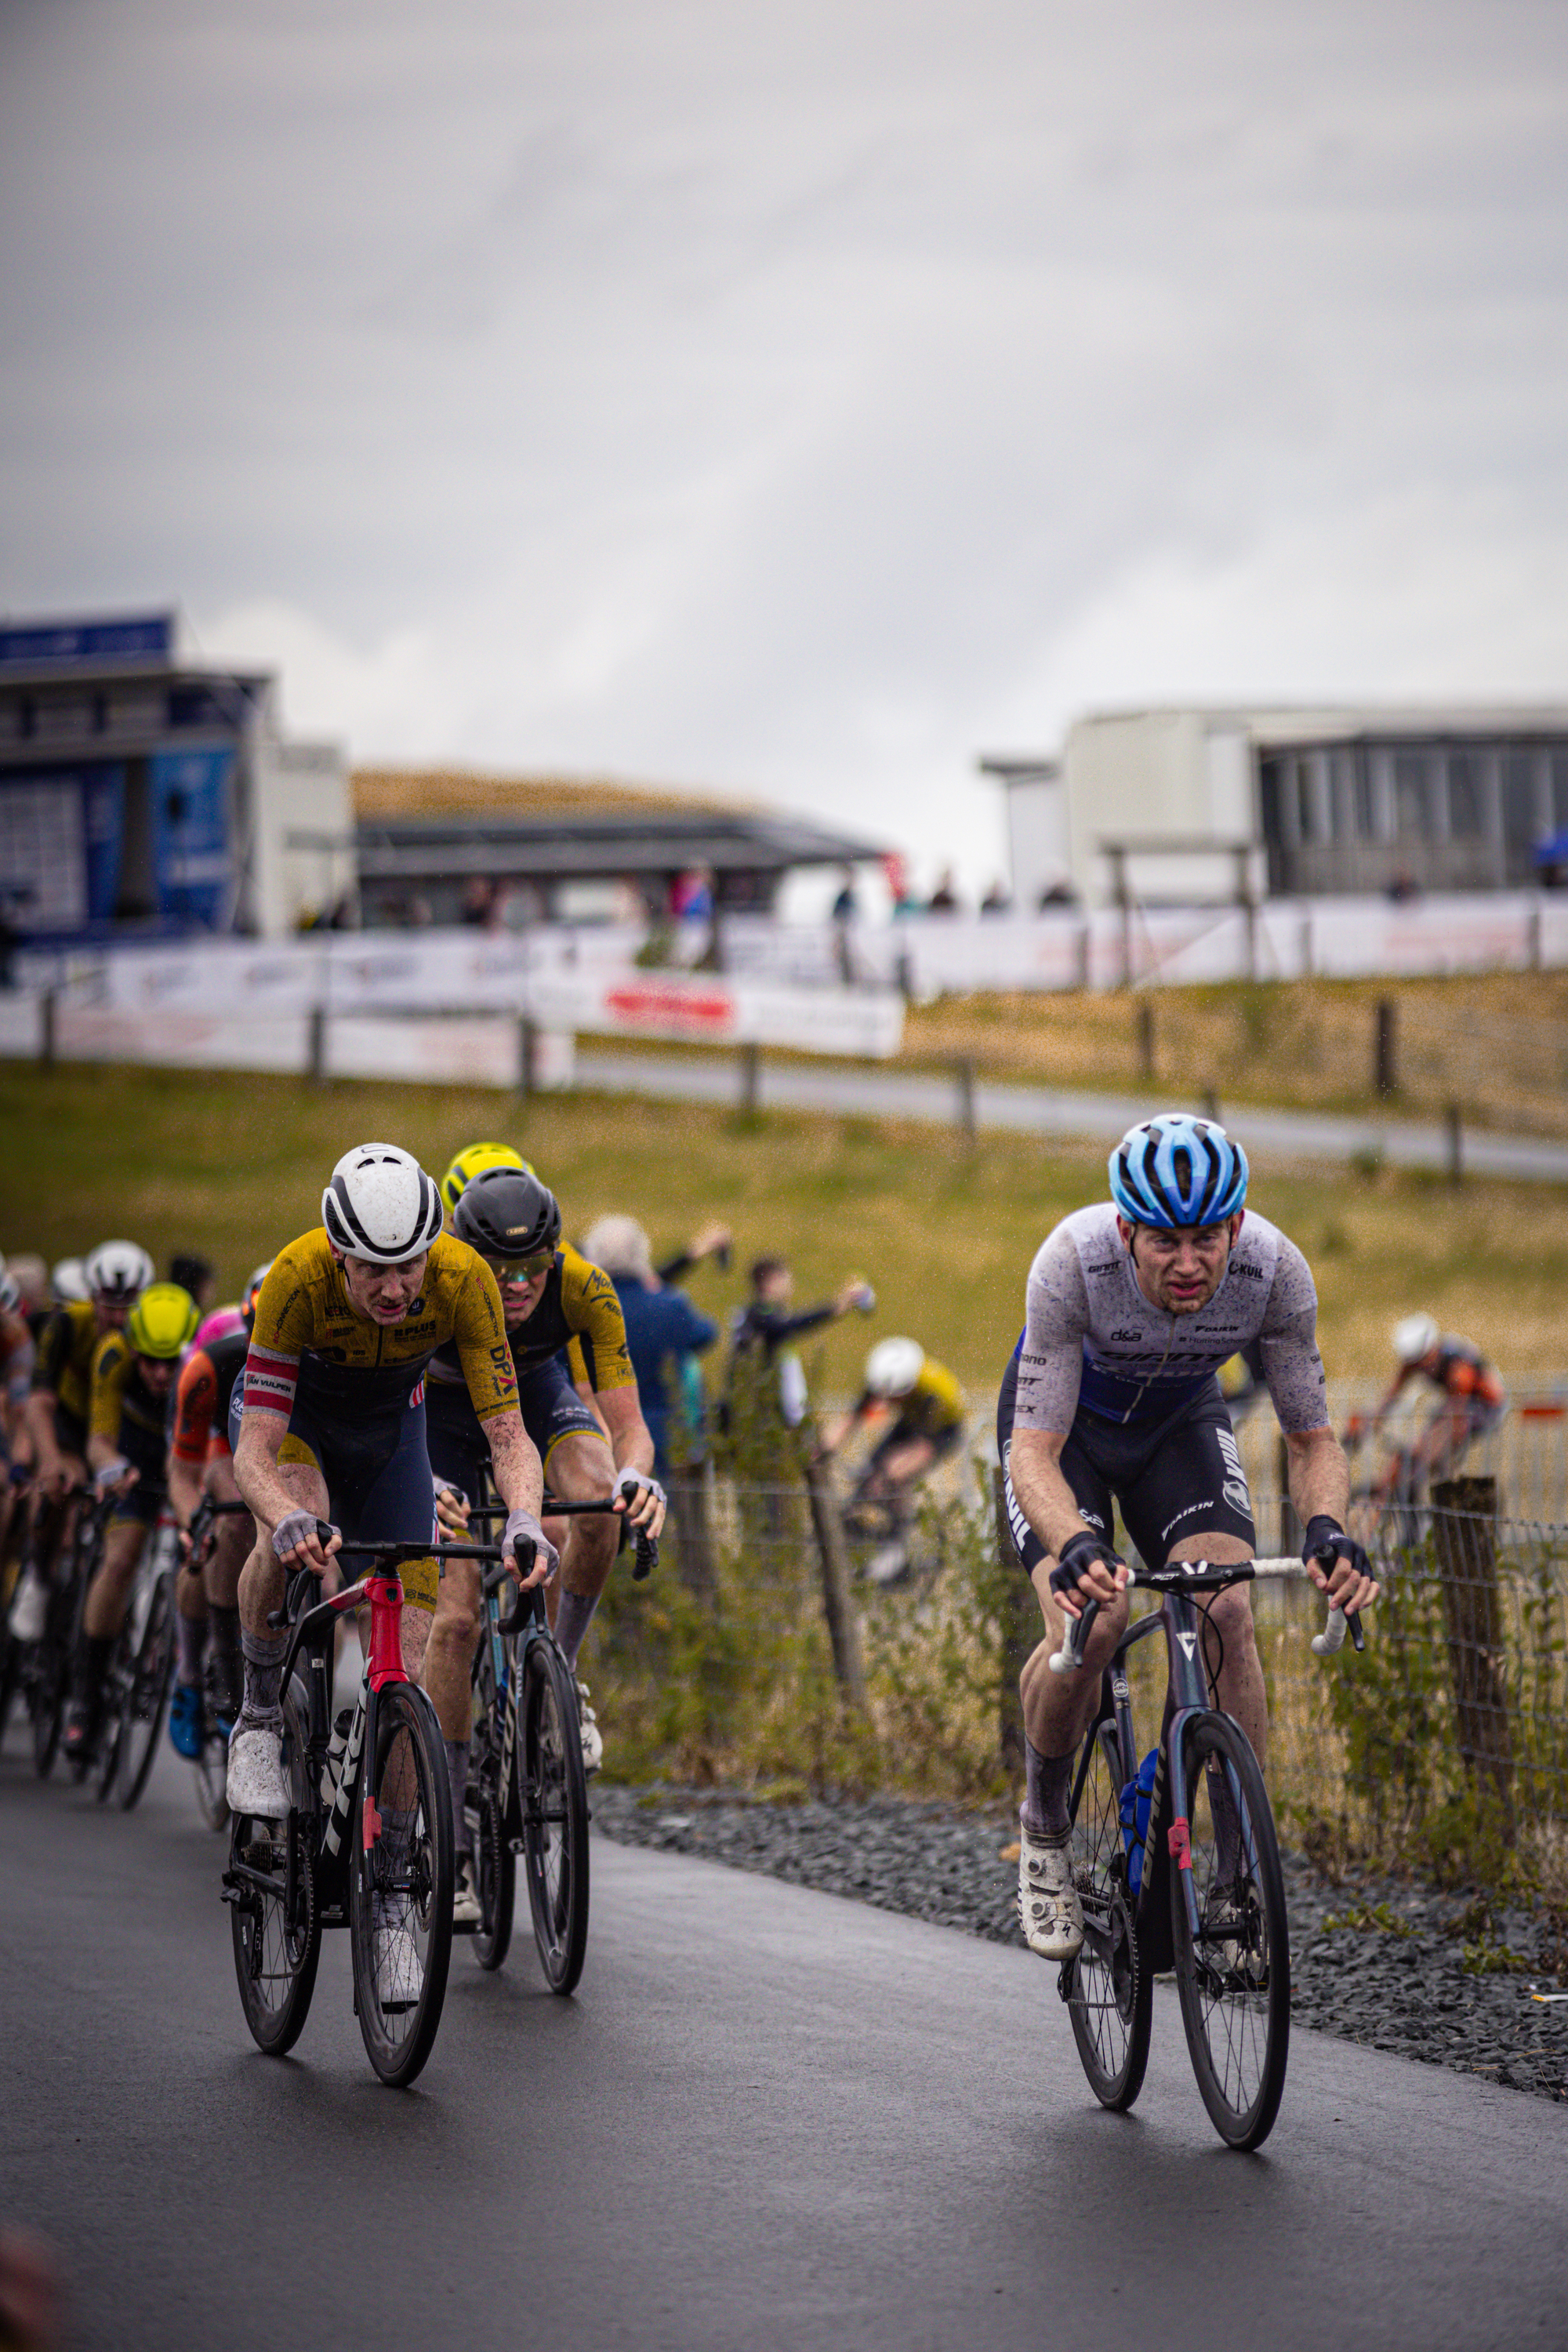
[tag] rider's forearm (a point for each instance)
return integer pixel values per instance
(630, 1442)
(255, 1467)
(185, 1490)
(1047, 1502)
(41, 1429)
(514, 1458)
(1317, 1475)
(102, 1451)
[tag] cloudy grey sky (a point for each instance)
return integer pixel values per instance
(793, 400)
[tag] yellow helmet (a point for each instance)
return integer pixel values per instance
(164, 1320)
(470, 1159)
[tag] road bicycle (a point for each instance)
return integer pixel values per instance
(42, 1669)
(368, 1842)
(1177, 1866)
(210, 1769)
(141, 1669)
(527, 1791)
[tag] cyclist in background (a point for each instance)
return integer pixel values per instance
(929, 1409)
(550, 1297)
(329, 1421)
(1110, 1397)
(132, 1372)
(206, 1593)
(113, 1277)
(1472, 1398)
(16, 1357)
(471, 1160)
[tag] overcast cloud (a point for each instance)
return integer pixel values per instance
(793, 401)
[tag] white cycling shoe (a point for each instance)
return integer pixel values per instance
(593, 1743)
(29, 1610)
(467, 1915)
(255, 1779)
(1049, 1911)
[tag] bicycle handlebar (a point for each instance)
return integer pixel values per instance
(645, 1557)
(1206, 1576)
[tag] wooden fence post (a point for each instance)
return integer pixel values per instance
(838, 1608)
(964, 1070)
(751, 1076)
(1455, 1126)
(316, 1049)
(1384, 1068)
(1464, 1541)
(48, 1029)
(1146, 1037)
(527, 1055)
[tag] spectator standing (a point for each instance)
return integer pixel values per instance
(665, 1335)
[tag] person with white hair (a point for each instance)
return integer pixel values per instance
(666, 1334)
(1471, 1397)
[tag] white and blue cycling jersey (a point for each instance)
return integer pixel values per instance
(1092, 1339)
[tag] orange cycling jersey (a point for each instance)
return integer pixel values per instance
(310, 1339)
(1463, 1371)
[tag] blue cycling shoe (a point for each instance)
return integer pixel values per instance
(185, 1720)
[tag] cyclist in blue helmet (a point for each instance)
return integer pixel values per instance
(1111, 1398)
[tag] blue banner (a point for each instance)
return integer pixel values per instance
(193, 858)
(103, 837)
(139, 637)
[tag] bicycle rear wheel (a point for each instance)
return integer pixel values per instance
(50, 1680)
(270, 1885)
(1110, 1994)
(148, 1671)
(1234, 1973)
(400, 1886)
(553, 1792)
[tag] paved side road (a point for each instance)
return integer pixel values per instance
(769, 2118)
(1038, 1110)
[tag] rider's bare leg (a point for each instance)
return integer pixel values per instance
(1230, 1643)
(581, 1468)
(1060, 1708)
(110, 1592)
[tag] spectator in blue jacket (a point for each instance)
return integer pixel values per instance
(664, 1333)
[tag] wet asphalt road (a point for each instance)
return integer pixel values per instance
(770, 2117)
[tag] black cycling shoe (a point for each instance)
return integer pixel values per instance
(83, 1725)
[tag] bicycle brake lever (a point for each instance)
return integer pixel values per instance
(645, 1557)
(1069, 1657)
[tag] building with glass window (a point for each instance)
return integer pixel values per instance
(1325, 801)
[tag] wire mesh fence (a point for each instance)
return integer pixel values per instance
(1448, 1733)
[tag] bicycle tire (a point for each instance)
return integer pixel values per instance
(51, 1675)
(103, 1763)
(276, 1948)
(1110, 1996)
(209, 1772)
(148, 1675)
(553, 1793)
(495, 1867)
(402, 1894)
(10, 1674)
(1234, 1990)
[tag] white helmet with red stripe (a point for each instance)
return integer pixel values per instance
(381, 1205)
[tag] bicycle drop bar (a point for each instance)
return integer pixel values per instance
(390, 1554)
(1206, 1576)
(644, 1559)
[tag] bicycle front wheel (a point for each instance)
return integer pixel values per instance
(149, 1672)
(1232, 1950)
(400, 1886)
(1110, 1994)
(553, 1790)
(270, 1885)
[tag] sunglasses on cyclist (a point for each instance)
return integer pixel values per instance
(521, 1269)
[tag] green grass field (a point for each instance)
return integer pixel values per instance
(233, 1165)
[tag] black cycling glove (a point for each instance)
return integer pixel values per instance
(1077, 1556)
(1327, 1541)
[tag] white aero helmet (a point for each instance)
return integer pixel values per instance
(1414, 1337)
(67, 1280)
(893, 1367)
(118, 1270)
(381, 1205)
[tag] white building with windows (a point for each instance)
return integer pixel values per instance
(1195, 804)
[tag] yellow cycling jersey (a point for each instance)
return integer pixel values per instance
(578, 1310)
(935, 1404)
(310, 1339)
(122, 1408)
(63, 1366)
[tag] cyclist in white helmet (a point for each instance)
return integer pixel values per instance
(1471, 1398)
(112, 1279)
(328, 1422)
(927, 1406)
(1132, 1307)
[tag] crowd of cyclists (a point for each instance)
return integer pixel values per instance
(427, 1343)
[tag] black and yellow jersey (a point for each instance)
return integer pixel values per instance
(123, 1408)
(578, 1310)
(308, 1335)
(935, 1404)
(63, 1366)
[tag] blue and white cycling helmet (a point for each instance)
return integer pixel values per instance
(1178, 1170)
